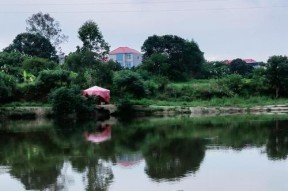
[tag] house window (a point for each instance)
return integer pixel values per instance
(129, 64)
(119, 58)
(128, 56)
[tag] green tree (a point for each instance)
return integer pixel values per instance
(46, 26)
(68, 100)
(129, 83)
(11, 63)
(156, 64)
(33, 45)
(214, 70)
(7, 87)
(277, 74)
(185, 57)
(50, 79)
(93, 40)
(80, 61)
(35, 65)
(238, 66)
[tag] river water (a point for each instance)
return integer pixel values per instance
(157, 154)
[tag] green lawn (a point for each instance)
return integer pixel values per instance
(216, 102)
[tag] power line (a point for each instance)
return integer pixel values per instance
(114, 3)
(108, 3)
(158, 10)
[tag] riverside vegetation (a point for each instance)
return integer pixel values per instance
(174, 72)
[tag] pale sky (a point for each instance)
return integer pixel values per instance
(223, 29)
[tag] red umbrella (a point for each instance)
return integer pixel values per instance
(98, 91)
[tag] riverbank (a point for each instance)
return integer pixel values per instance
(140, 110)
(195, 111)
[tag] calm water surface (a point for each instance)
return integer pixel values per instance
(156, 154)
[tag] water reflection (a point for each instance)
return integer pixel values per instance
(98, 137)
(277, 144)
(171, 148)
(174, 158)
(129, 159)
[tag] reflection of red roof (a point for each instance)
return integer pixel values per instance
(124, 50)
(128, 163)
(99, 137)
(128, 160)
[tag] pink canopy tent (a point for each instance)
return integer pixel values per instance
(98, 91)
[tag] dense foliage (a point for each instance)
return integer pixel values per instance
(46, 26)
(184, 56)
(93, 40)
(28, 70)
(35, 65)
(33, 45)
(68, 100)
(7, 87)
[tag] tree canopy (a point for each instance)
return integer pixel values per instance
(240, 67)
(33, 45)
(184, 56)
(93, 40)
(277, 70)
(46, 26)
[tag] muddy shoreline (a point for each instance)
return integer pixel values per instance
(46, 112)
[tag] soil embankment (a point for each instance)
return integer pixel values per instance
(194, 111)
(40, 112)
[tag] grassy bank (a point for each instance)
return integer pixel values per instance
(216, 102)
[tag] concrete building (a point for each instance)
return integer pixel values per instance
(126, 57)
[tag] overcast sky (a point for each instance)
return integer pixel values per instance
(223, 29)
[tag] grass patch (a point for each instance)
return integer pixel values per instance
(216, 102)
(25, 104)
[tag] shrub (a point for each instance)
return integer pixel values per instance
(29, 92)
(129, 82)
(35, 65)
(68, 100)
(7, 87)
(49, 79)
(11, 63)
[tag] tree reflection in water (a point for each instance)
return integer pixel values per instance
(173, 158)
(172, 149)
(277, 145)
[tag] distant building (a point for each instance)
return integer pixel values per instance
(251, 62)
(126, 57)
(61, 58)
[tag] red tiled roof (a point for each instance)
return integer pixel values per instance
(124, 50)
(248, 61)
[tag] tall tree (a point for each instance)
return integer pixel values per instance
(184, 56)
(33, 45)
(240, 67)
(93, 40)
(277, 74)
(46, 26)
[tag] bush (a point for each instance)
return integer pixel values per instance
(214, 70)
(235, 84)
(35, 65)
(68, 100)
(7, 87)
(49, 79)
(29, 92)
(129, 82)
(11, 63)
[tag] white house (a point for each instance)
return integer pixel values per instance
(126, 57)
